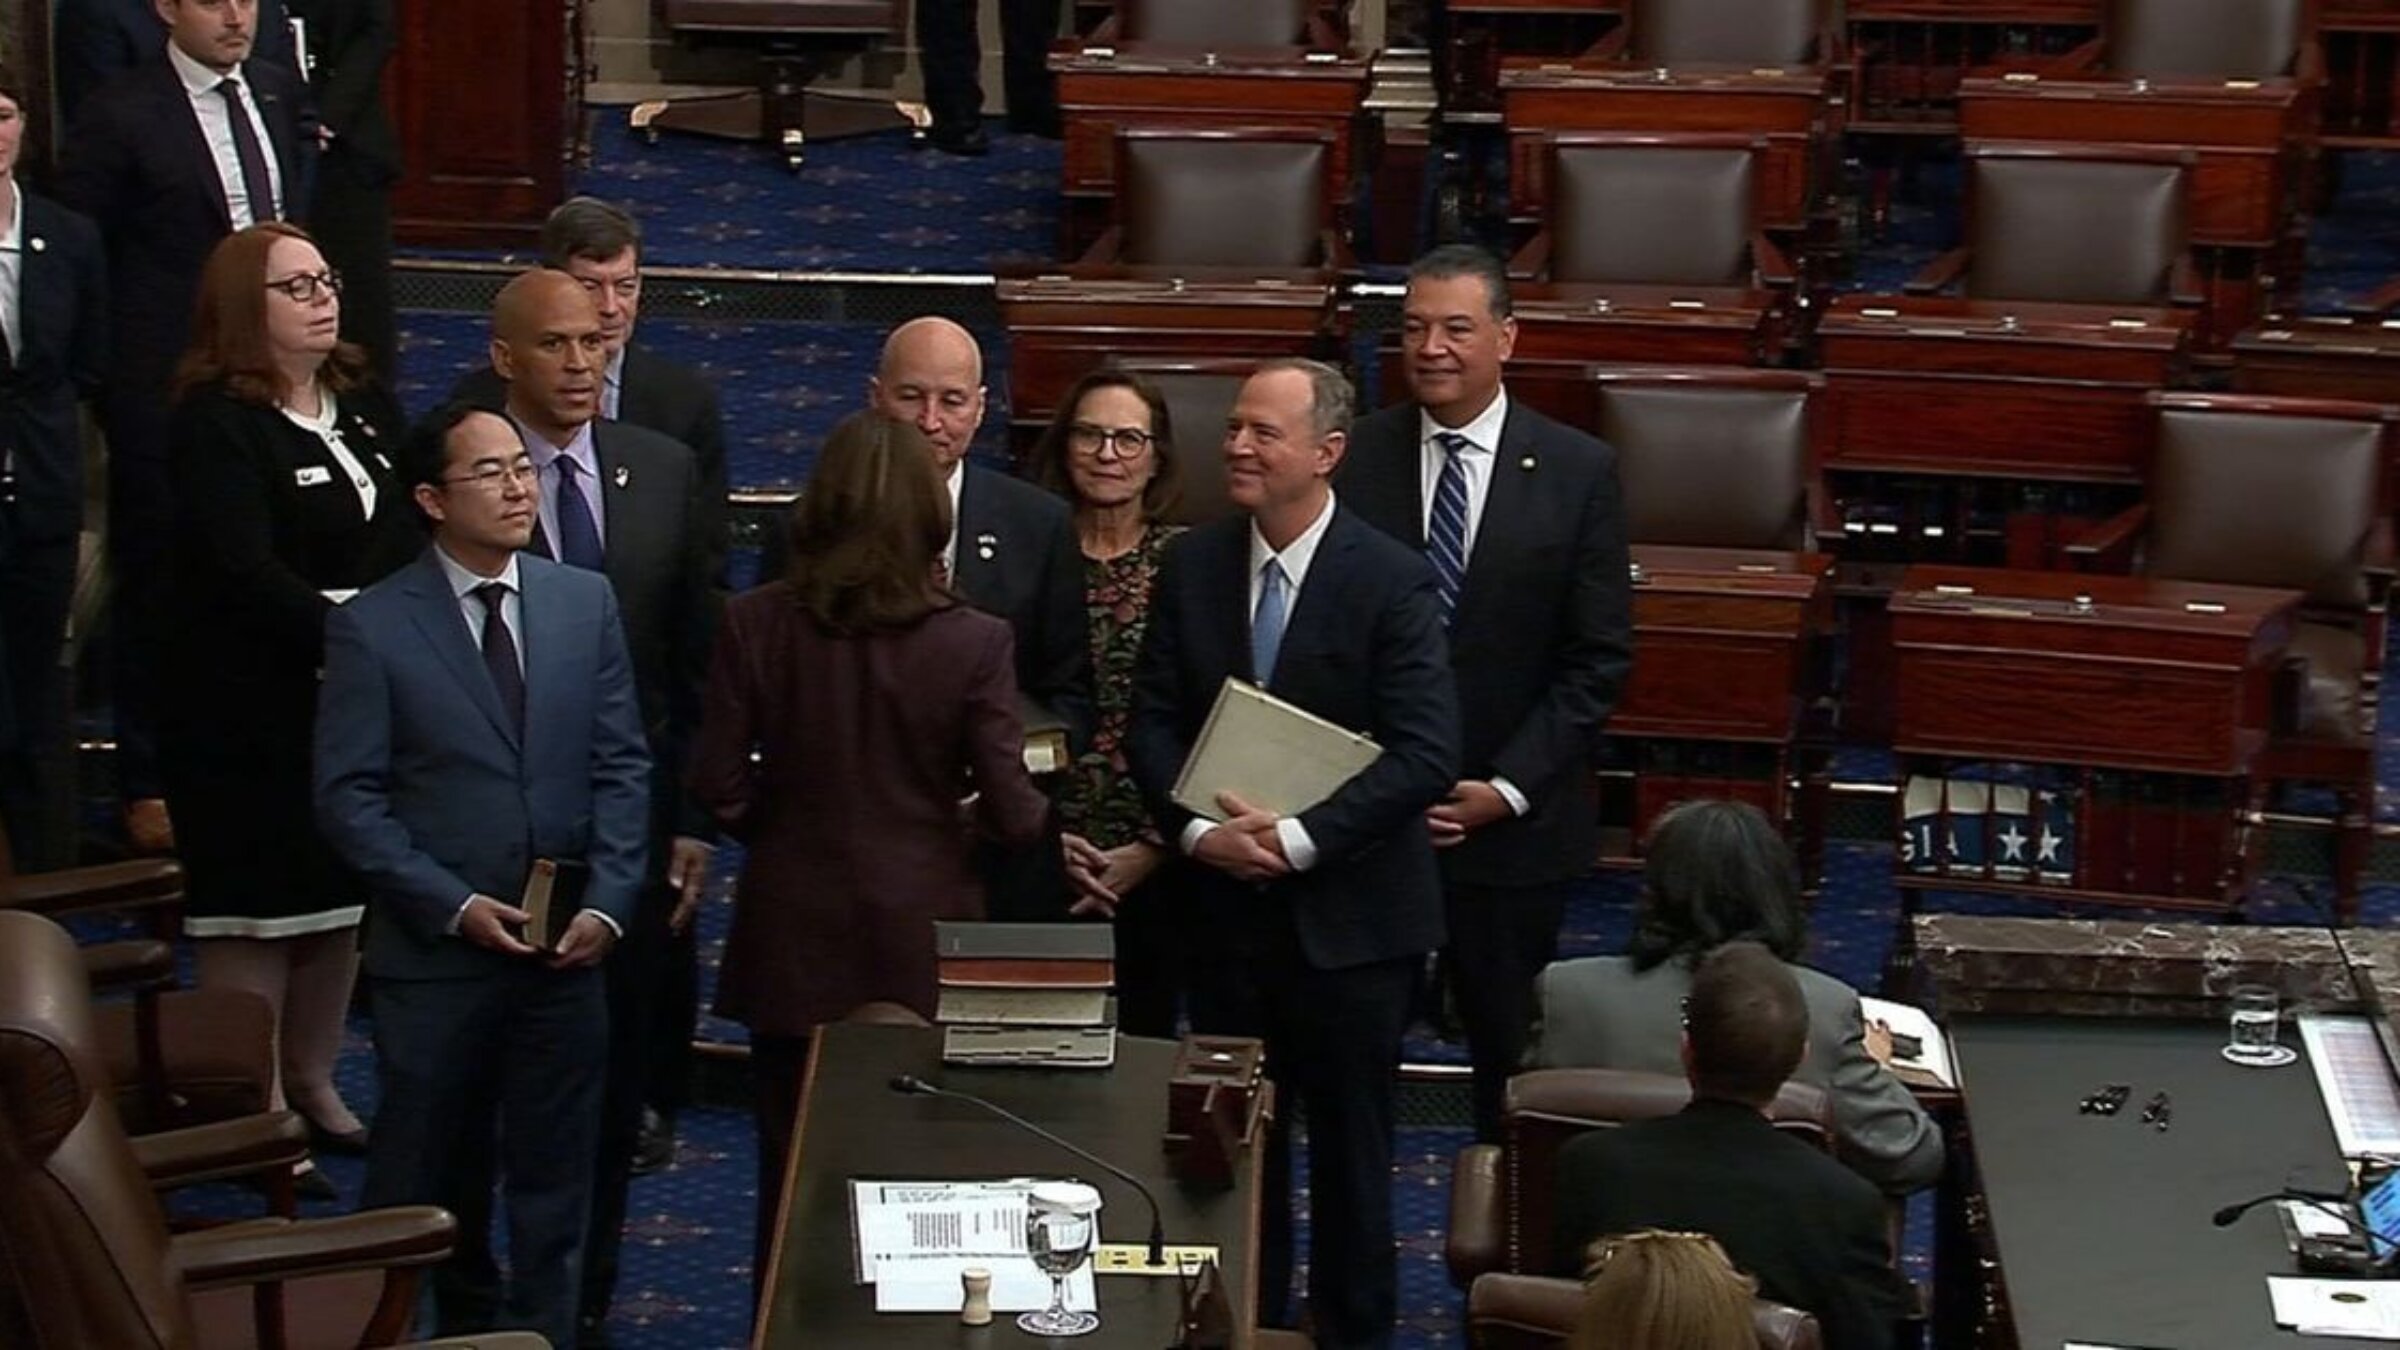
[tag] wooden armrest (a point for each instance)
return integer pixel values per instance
(2079, 60)
(2098, 547)
(141, 883)
(222, 1150)
(1938, 275)
(1335, 250)
(1476, 1243)
(1108, 249)
(136, 963)
(1768, 266)
(269, 1249)
(2184, 290)
(1532, 262)
(1611, 46)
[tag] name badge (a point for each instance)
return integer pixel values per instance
(314, 475)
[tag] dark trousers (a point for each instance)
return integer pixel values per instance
(1154, 960)
(1333, 1051)
(952, 52)
(642, 987)
(141, 526)
(778, 1064)
(1500, 938)
(37, 588)
(516, 1056)
(352, 221)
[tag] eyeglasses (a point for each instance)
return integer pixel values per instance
(1131, 442)
(305, 287)
(497, 477)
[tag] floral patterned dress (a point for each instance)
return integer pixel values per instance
(1101, 802)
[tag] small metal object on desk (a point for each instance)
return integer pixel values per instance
(2107, 1100)
(2159, 1112)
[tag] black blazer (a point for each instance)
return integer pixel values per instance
(669, 398)
(1017, 558)
(656, 559)
(350, 42)
(1811, 1231)
(1543, 634)
(61, 358)
(137, 164)
(1363, 648)
(96, 40)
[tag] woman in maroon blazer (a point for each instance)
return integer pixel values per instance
(860, 727)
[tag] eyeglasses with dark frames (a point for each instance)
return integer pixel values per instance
(304, 287)
(1131, 442)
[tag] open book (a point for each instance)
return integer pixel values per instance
(1920, 1052)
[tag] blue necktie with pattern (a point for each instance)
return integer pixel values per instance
(1446, 527)
(1266, 625)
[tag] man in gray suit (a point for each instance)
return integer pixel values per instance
(478, 713)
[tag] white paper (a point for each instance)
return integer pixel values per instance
(1913, 1021)
(2355, 1080)
(979, 1222)
(2363, 1308)
(932, 1285)
(2314, 1221)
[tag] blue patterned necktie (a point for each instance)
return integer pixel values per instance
(578, 538)
(1446, 528)
(1266, 625)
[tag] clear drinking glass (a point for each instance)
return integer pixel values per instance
(1062, 1218)
(2253, 1026)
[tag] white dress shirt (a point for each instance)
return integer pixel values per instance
(955, 483)
(1476, 460)
(545, 458)
(1298, 849)
(217, 129)
(612, 386)
(325, 426)
(12, 275)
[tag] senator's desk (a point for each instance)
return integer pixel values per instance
(1911, 55)
(1103, 88)
(1064, 323)
(2150, 698)
(1565, 328)
(2320, 357)
(1795, 111)
(2362, 73)
(1726, 652)
(2101, 1224)
(853, 1125)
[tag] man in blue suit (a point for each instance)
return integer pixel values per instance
(1323, 918)
(478, 713)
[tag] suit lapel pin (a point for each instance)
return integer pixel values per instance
(986, 545)
(37, 243)
(1526, 464)
(367, 429)
(624, 475)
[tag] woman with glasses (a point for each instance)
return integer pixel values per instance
(1659, 1290)
(1108, 451)
(286, 502)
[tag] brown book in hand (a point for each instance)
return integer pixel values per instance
(553, 897)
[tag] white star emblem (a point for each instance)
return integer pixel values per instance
(2012, 844)
(2048, 846)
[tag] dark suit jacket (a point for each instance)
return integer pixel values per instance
(1017, 558)
(657, 559)
(864, 746)
(423, 787)
(350, 42)
(96, 40)
(61, 359)
(667, 397)
(137, 164)
(1543, 634)
(1811, 1230)
(1363, 649)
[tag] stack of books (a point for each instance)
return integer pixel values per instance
(1027, 993)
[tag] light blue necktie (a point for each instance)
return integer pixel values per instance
(1266, 625)
(1446, 529)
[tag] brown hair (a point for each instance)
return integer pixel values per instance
(229, 325)
(1747, 1024)
(870, 528)
(1664, 1291)
(1165, 487)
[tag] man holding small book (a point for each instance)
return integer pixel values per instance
(478, 716)
(1320, 917)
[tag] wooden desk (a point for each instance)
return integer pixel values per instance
(1564, 329)
(1913, 54)
(1797, 112)
(1947, 385)
(2362, 73)
(2148, 699)
(1137, 84)
(852, 1125)
(2320, 358)
(1063, 325)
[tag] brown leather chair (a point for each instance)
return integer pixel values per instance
(1748, 33)
(1676, 210)
(1538, 1312)
(1256, 198)
(1199, 397)
(176, 1057)
(796, 41)
(2072, 224)
(1502, 1196)
(1712, 457)
(1222, 25)
(86, 1249)
(2286, 493)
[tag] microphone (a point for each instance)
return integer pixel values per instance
(909, 1085)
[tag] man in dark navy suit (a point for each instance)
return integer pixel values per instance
(169, 157)
(97, 40)
(53, 355)
(1321, 920)
(479, 713)
(1521, 520)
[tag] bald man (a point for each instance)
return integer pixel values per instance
(629, 503)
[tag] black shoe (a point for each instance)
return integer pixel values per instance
(967, 140)
(313, 1185)
(349, 1143)
(654, 1146)
(1042, 122)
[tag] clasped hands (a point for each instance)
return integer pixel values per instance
(1245, 844)
(491, 923)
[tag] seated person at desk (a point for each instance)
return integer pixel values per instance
(1655, 1288)
(1809, 1230)
(1716, 871)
